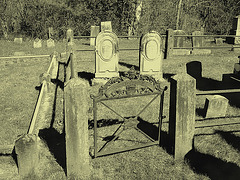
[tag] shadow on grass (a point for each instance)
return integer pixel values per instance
(194, 69)
(129, 65)
(230, 138)
(214, 168)
(56, 144)
(86, 75)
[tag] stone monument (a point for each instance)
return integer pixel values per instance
(151, 55)
(106, 26)
(37, 43)
(107, 55)
(94, 33)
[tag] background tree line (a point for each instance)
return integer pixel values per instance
(31, 18)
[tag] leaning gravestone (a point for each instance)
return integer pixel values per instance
(37, 43)
(151, 55)
(50, 43)
(106, 26)
(216, 106)
(18, 40)
(94, 33)
(107, 55)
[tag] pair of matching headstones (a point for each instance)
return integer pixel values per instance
(107, 55)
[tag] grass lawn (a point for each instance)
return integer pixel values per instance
(216, 154)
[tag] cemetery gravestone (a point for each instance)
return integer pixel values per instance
(50, 43)
(197, 41)
(151, 55)
(178, 42)
(37, 43)
(216, 106)
(106, 26)
(18, 40)
(107, 55)
(94, 33)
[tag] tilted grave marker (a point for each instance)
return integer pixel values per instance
(151, 55)
(106, 26)
(107, 55)
(94, 32)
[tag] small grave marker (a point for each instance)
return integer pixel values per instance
(178, 41)
(106, 26)
(107, 55)
(18, 40)
(219, 41)
(50, 32)
(94, 32)
(151, 55)
(50, 43)
(216, 106)
(37, 43)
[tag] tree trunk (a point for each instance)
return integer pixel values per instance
(178, 14)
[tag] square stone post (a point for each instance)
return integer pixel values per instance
(76, 127)
(182, 114)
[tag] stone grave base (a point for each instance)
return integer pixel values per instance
(181, 52)
(201, 51)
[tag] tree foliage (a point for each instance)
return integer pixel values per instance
(32, 18)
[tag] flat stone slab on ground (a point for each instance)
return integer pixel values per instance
(181, 52)
(216, 106)
(201, 51)
(20, 53)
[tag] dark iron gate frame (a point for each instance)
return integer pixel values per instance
(125, 124)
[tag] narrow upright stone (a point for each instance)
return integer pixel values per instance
(182, 114)
(216, 106)
(197, 41)
(76, 127)
(170, 43)
(94, 33)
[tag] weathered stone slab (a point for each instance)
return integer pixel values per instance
(76, 127)
(182, 114)
(181, 52)
(236, 28)
(216, 106)
(151, 55)
(201, 51)
(27, 154)
(107, 55)
(106, 26)
(178, 41)
(197, 41)
(18, 40)
(50, 43)
(170, 43)
(94, 32)
(20, 53)
(37, 43)
(219, 41)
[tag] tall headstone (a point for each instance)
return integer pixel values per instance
(197, 41)
(94, 33)
(106, 26)
(178, 41)
(170, 43)
(107, 55)
(151, 55)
